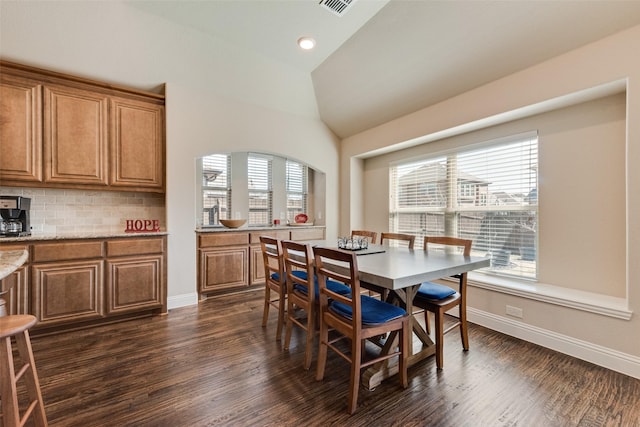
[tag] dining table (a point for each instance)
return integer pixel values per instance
(401, 271)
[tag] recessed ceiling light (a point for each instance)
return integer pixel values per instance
(306, 43)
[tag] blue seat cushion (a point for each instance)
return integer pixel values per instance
(434, 291)
(337, 287)
(374, 312)
(298, 273)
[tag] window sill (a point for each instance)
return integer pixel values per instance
(605, 305)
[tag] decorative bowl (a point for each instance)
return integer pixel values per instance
(301, 218)
(233, 223)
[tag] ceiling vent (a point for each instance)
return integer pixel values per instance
(337, 7)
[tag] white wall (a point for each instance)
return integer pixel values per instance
(218, 98)
(578, 74)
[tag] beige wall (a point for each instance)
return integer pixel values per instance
(596, 70)
(219, 98)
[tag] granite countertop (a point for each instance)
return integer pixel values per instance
(10, 261)
(78, 236)
(245, 228)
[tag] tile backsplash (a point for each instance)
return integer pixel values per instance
(59, 212)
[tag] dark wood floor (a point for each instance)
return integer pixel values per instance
(213, 365)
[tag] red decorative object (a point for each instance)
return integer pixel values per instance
(142, 226)
(301, 218)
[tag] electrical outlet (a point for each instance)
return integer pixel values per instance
(514, 311)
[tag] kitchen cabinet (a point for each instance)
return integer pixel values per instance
(62, 131)
(81, 282)
(137, 144)
(135, 275)
(20, 130)
(75, 136)
(223, 262)
(15, 287)
(67, 282)
(232, 260)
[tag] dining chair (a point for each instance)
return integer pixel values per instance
(439, 299)
(356, 319)
(302, 293)
(400, 237)
(371, 235)
(275, 281)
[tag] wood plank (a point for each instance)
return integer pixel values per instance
(213, 364)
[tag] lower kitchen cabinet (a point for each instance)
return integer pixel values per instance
(16, 297)
(65, 292)
(67, 283)
(136, 275)
(232, 260)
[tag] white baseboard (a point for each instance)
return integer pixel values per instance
(182, 300)
(602, 356)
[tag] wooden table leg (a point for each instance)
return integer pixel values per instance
(423, 348)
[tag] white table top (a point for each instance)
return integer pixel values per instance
(397, 268)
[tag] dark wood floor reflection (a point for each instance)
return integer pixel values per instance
(213, 364)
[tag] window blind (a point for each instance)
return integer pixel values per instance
(216, 192)
(260, 190)
(486, 193)
(296, 189)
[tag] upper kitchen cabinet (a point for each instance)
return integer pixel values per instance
(20, 130)
(137, 144)
(62, 131)
(75, 136)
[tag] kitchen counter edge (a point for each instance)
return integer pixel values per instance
(250, 229)
(78, 236)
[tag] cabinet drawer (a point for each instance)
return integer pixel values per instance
(308, 234)
(67, 251)
(135, 247)
(223, 239)
(276, 234)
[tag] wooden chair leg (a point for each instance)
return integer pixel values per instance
(288, 329)
(281, 316)
(311, 332)
(354, 383)
(404, 346)
(464, 332)
(427, 324)
(265, 311)
(322, 349)
(439, 338)
(31, 378)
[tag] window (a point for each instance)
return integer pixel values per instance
(260, 191)
(216, 191)
(487, 194)
(296, 188)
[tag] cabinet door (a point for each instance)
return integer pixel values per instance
(67, 292)
(137, 144)
(226, 268)
(75, 136)
(17, 297)
(20, 130)
(134, 284)
(257, 265)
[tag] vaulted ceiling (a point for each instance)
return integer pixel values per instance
(384, 59)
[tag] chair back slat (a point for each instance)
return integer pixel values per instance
(371, 235)
(449, 242)
(340, 266)
(298, 257)
(272, 259)
(408, 238)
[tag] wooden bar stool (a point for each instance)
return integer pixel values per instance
(18, 326)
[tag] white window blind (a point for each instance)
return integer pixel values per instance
(216, 191)
(260, 189)
(486, 193)
(296, 188)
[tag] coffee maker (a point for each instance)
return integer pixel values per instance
(14, 216)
